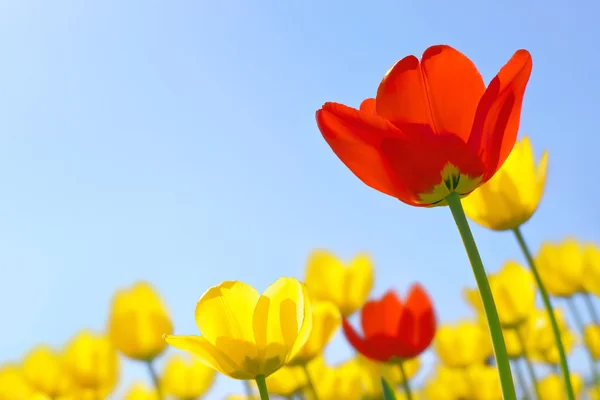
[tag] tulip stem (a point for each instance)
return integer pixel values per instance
(262, 387)
(405, 382)
(521, 378)
(155, 379)
(590, 306)
(309, 383)
(502, 360)
(581, 327)
(564, 367)
(528, 364)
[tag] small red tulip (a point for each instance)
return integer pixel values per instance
(393, 330)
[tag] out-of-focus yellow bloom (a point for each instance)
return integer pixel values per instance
(245, 334)
(514, 289)
(513, 194)
(138, 320)
(594, 392)
(186, 378)
(348, 287)
(401, 394)
(372, 372)
(551, 387)
(93, 362)
(561, 267)
(446, 384)
(287, 381)
(139, 391)
(541, 338)
(326, 320)
(591, 336)
(13, 384)
(591, 268)
(239, 397)
(462, 344)
(334, 383)
(483, 382)
(44, 370)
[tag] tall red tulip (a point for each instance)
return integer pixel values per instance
(433, 128)
(393, 330)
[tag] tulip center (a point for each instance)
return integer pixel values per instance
(452, 180)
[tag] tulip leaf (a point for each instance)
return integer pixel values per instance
(388, 393)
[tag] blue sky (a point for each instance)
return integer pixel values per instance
(175, 142)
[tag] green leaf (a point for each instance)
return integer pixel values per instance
(388, 393)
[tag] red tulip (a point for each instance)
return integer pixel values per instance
(393, 330)
(433, 128)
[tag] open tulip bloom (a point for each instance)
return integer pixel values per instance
(434, 133)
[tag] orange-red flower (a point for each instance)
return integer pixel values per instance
(433, 127)
(393, 330)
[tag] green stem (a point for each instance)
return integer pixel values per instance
(155, 379)
(581, 327)
(528, 364)
(262, 387)
(508, 388)
(521, 377)
(309, 383)
(564, 366)
(591, 308)
(405, 382)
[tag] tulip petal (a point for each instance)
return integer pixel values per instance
(358, 283)
(417, 323)
(226, 310)
(322, 268)
(364, 346)
(209, 355)
(381, 317)
(355, 137)
(441, 91)
(307, 323)
(498, 114)
(368, 106)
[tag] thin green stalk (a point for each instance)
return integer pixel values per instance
(521, 377)
(591, 308)
(528, 364)
(388, 393)
(405, 382)
(155, 379)
(581, 327)
(506, 381)
(309, 383)
(564, 366)
(262, 387)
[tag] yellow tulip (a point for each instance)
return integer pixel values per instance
(591, 335)
(483, 382)
(245, 334)
(462, 344)
(13, 384)
(551, 387)
(400, 394)
(372, 372)
(325, 322)
(335, 382)
(287, 381)
(514, 290)
(138, 320)
(541, 337)
(139, 391)
(93, 362)
(447, 384)
(348, 287)
(239, 397)
(513, 194)
(185, 378)
(591, 268)
(44, 370)
(561, 267)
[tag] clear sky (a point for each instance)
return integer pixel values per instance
(175, 142)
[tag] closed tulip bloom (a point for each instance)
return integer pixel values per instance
(44, 370)
(541, 337)
(287, 381)
(433, 128)
(326, 321)
(514, 292)
(372, 372)
(246, 334)
(462, 344)
(185, 378)
(393, 330)
(511, 197)
(138, 320)
(561, 267)
(347, 286)
(139, 391)
(591, 335)
(342, 381)
(551, 387)
(13, 384)
(93, 362)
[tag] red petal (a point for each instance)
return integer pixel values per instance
(356, 137)
(498, 115)
(361, 345)
(421, 308)
(381, 317)
(442, 91)
(368, 106)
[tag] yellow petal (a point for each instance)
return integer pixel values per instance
(325, 322)
(462, 344)
(186, 378)
(358, 283)
(551, 387)
(13, 384)
(45, 372)
(322, 269)
(139, 391)
(592, 340)
(286, 381)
